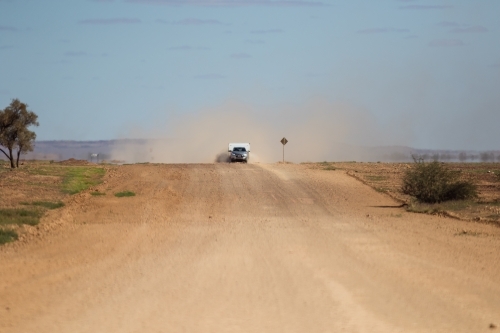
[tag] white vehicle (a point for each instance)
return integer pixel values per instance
(239, 152)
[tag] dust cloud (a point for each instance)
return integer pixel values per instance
(317, 131)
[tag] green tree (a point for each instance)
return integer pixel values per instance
(14, 133)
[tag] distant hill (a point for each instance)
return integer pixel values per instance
(82, 150)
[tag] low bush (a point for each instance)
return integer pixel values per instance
(124, 194)
(19, 216)
(7, 236)
(45, 204)
(433, 182)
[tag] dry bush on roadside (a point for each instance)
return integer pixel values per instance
(433, 182)
(124, 194)
(7, 236)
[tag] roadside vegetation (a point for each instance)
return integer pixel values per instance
(71, 179)
(469, 191)
(7, 236)
(19, 216)
(434, 183)
(124, 194)
(10, 217)
(327, 166)
(46, 185)
(44, 204)
(78, 179)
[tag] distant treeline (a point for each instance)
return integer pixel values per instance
(487, 156)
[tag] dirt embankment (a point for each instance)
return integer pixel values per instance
(388, 178)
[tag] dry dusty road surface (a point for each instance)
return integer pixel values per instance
(248, 248)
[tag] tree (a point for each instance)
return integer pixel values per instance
(14, 133)
(486, 156)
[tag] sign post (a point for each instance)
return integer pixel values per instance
(283, 142)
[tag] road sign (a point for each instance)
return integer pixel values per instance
(283, 142)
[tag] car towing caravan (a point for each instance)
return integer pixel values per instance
(239, 152)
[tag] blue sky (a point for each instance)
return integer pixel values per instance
(415, 72)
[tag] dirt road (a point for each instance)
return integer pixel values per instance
(248, 248)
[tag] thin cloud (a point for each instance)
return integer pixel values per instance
(110, 21)
(425, 7)
(232, 3)
(380, 30)
(446, 43)
(6, 47)
(268, 31)
(240, 56)
(411, 37)
(7, 28)
(75, 54)
(210, 76)
(472, 29)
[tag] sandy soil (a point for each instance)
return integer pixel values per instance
(248, 248)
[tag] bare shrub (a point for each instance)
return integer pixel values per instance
(433, 182)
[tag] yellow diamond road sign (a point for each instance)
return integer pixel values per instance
(284, 141)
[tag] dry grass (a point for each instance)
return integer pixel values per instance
(124, 194)
(29, 191)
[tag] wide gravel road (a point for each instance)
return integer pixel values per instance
(248, 248)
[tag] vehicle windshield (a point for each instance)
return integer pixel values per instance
(239, 149)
